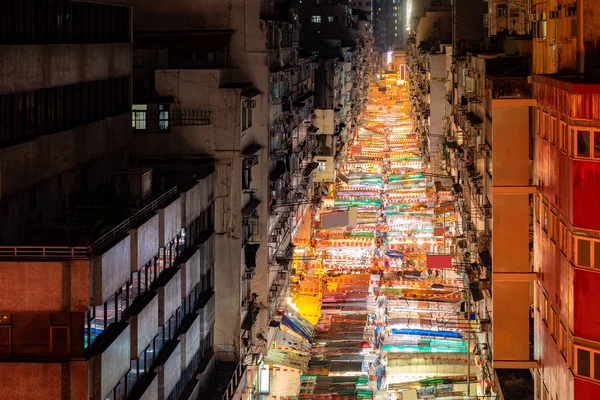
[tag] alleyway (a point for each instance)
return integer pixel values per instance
(388, 319)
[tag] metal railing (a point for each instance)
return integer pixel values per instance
(234, 381)
(57, 252)
(129, 222)
(81, 252)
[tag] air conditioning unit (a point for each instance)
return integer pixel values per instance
(253, 160)
(484, 147)
(135, 183)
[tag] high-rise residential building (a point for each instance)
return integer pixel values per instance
(213, 82)
(566, 227)
(64, 105)
(510, 17)
(107, 265)
(564, 37)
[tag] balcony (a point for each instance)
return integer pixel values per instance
(228, 377)
(509, 88)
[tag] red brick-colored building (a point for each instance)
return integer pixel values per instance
(567, 237)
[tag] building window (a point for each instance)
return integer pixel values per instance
(583, 363)
(545, 217)
(120, 391)
(331, 19)
(99, 318)
(573, 27)
(553, 228)
(502, 11)
(541, 29)
(597, 144)
(247, 106)
(247, 164)
(28, 115)
(25, 22)
(583, 144)
(316, 19)
(138, 116)
(163, 117)
(563, 139)
(552, 131)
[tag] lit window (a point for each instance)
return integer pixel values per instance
(315, 19)
(330, 19)
(138, 117)
(163, 117)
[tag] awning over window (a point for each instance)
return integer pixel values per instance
(250, 92)
(251, 149)
(250, 206)
(310, 168)
(277, 171)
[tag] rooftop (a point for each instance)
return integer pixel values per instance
(95, 220)
(508, 66)
(573, 83)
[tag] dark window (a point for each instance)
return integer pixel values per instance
(30, 336)
(597, 144)
(246, 173)
(583, 143)
(62, 21)
(25, 116)
(583, 253)
(583, 362)
(502, 11)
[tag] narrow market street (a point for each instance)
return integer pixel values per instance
(380, 287)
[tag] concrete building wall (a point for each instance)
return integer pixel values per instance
(110, 366)
(169, 298)
(64, 64)
(54, 154)
(27, 380)
(144, 327)
(147, 242)
(510, 144)
(42, 286)
(151, 392)
(111, 270)
(172, 220)
(170, 373)
(185, 14)
(190, 343)
(437, 101)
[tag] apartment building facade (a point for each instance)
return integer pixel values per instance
(246, 72)
(64, 104)
(130, 315)
(491, 157)
(566, 343)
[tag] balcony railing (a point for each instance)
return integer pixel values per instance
(234, 382)
(81, 252)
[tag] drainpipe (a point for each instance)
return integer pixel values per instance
(580, 45)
